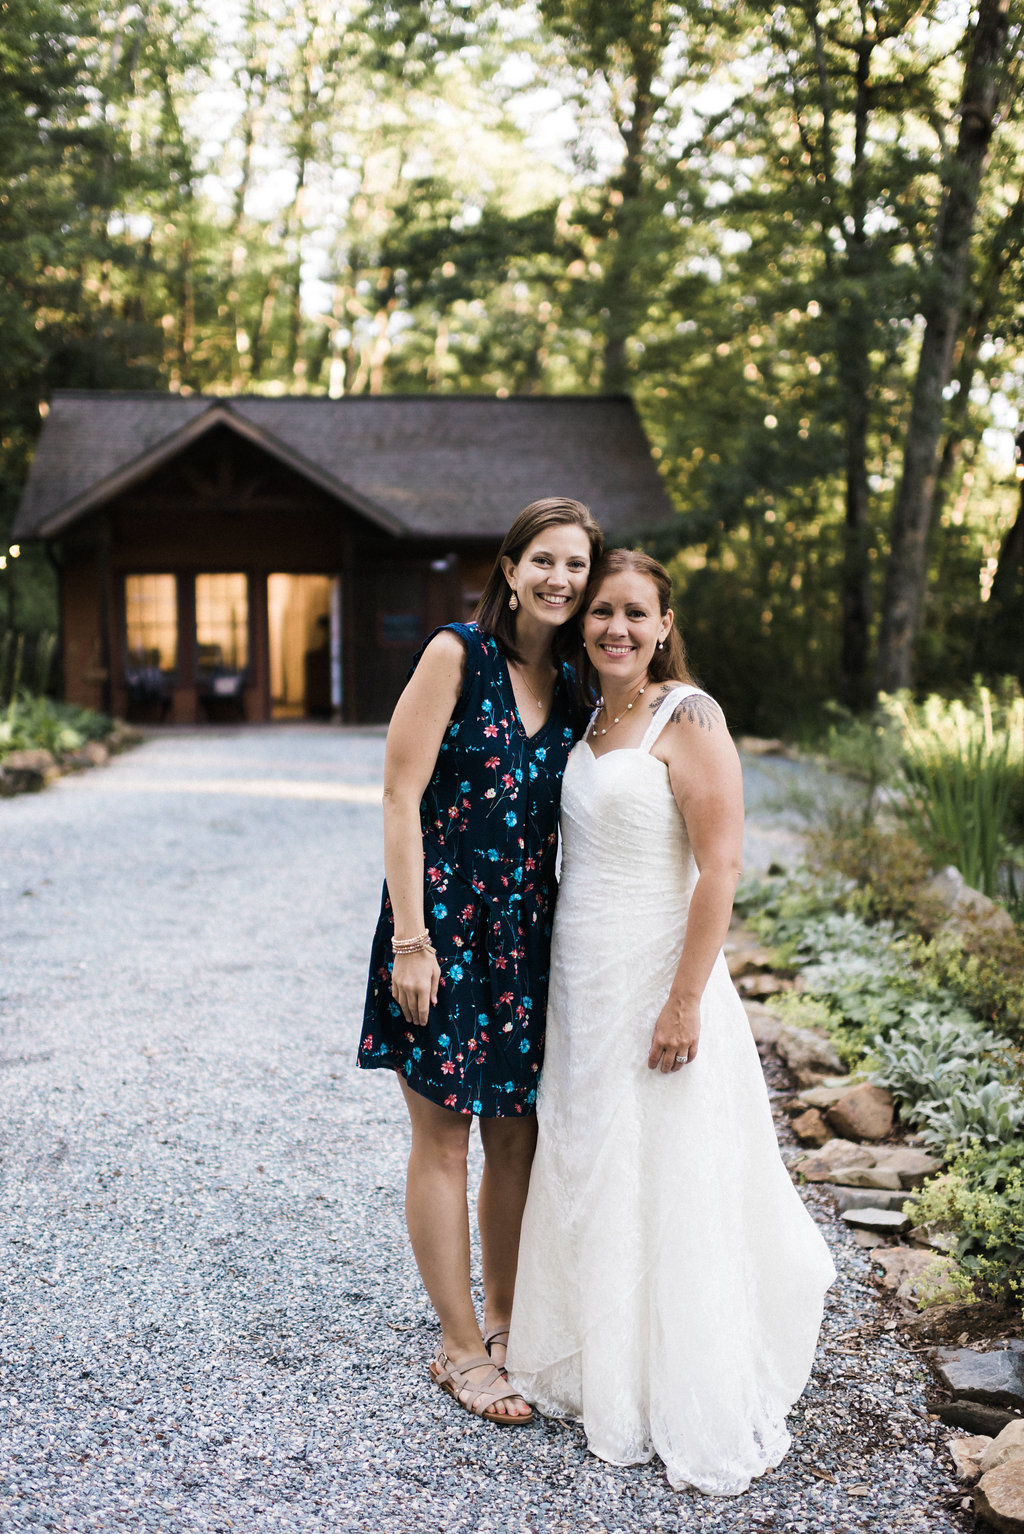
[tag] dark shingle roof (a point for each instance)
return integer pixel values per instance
(418, 465)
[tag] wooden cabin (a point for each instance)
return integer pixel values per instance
(261, 558)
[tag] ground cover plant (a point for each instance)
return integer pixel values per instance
(29, 718)
(955, 1081)
(921, 999)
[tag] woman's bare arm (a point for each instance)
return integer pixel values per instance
(707, 783)
(415, 734)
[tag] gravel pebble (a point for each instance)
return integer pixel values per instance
(210, 1318)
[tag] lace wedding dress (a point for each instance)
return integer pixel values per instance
(670, 1281)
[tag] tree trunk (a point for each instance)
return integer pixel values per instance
(625, 213)
(854, 334)
(911, 519)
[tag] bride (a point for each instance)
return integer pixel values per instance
(670, 1282)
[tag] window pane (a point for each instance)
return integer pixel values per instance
(151, 608)
(222, 622)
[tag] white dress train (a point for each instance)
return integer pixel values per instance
(671, 1282)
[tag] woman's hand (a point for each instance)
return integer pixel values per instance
(676, 1036)
(414, 981)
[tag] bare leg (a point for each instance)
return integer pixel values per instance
(509, 1145)
(437, 1215)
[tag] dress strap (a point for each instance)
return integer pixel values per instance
(665, 710)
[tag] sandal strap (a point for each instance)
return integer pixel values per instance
(499, 1334)
(481, 1391)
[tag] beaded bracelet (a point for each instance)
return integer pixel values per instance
(419, 944)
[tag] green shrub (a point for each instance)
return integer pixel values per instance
(981, 1199)
(932, 1056)
(989, 1114)
(886, 868)
(33, 722)
(961, 768)
(983, 969)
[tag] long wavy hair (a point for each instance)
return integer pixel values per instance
(492, 611)
(667, 664)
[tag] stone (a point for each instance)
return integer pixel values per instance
(912, 1165)
(867, 1198)
(864, 1113)
(963, 909)
(966, 1453)
(764, 1025)
(889, 1222)
(823, 1096)
(748, 961)
(1006, 1445)
(762, 984)
(920, 1277)
(123, 736)
(901, 1263)
(808, 1052)
(810, 1128)
(35, 758)
(995, 1378)
(866, 1177)
(999, 1497)
(973, 1416)
(869, 1239)
(824, 1164)
(95, 753)
(19, 780)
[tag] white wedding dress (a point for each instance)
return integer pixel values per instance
(671, 1282)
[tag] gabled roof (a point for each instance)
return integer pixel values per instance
(444, 466)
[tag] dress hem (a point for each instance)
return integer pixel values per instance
(420, 1087)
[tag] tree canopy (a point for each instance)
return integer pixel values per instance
(794, 234)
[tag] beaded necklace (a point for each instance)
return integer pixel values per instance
(593, 728)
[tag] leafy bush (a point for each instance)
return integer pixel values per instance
(885, 867)
(992, 1114)
(907, 1012)
(983, 969)
(33, 722)
(961, 768)
(981, 1199)
(933, 1056)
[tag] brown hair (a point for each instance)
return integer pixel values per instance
(493, 613)
(669, 664)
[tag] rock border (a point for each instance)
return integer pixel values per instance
(30, 770)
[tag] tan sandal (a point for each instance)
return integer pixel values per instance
(478, 1399)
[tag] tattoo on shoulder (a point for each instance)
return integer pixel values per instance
(703, 712)
(659, 697)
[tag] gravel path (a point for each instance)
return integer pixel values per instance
(209, 1318)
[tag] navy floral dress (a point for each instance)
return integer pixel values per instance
(490, 830)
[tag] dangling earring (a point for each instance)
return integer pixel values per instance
(513, 601)
(661, 644)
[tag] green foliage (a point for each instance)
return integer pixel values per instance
(744, 259)
(885, 868)
(981, 1199)
(985, 970)
(962, 767)
(31, 722)
(780, 904)
(990, 1114)
(955, 1082)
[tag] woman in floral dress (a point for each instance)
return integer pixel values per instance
(459, 969)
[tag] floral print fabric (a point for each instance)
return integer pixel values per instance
(490, 831)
